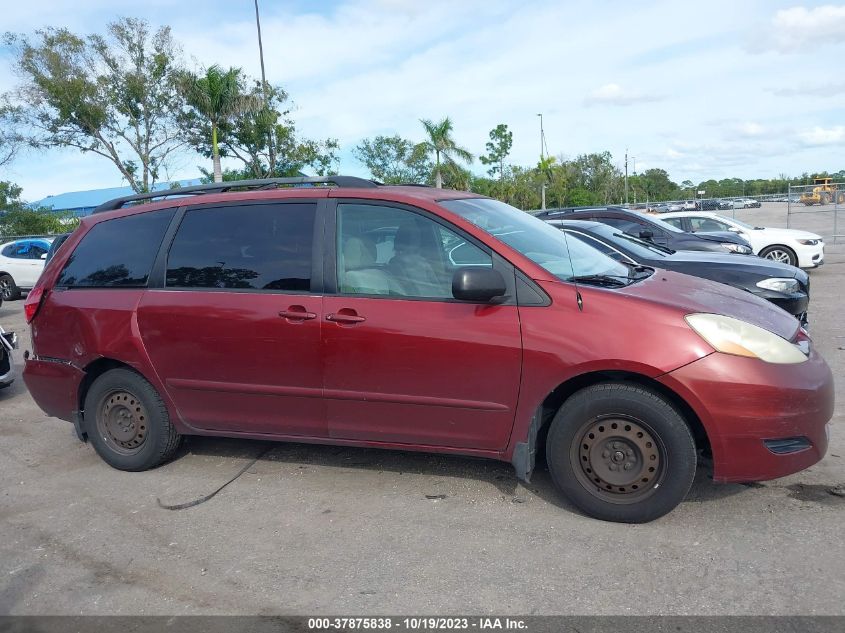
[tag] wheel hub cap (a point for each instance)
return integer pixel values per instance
(619, 457)
(123, 421)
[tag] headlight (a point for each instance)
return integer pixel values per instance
(808, 242)
(779, 284)
(732, 336)
(742, 249)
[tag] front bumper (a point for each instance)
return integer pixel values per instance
(810, 256)
(796, 303)
(744, 401)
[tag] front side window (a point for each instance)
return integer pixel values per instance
(250, 247)
(678, 223)
(708, 224)
(118, 252)
(568, 259)
(384, 250)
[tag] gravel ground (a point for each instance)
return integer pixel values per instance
(327, 530)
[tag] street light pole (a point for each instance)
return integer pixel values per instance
(626, 175)
(542, 143)
(270, 149)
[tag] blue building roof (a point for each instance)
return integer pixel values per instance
(83, 202)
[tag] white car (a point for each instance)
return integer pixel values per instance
(688, 205)
(21, 263)
(789, 246)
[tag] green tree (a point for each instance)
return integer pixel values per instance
(113, 95)
(395, 160)
(215, 98)
(440, 142)
(11, 139)
(16, 218)
(266, 141)
(498, 149)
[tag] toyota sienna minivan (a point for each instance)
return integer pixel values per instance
(340, 311)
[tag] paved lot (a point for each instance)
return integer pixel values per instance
(316, 530)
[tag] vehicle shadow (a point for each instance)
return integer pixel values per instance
(500, 475)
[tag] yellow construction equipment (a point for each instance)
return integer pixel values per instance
(824, 192)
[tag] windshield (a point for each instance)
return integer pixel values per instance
(737, 222)
(538, 241)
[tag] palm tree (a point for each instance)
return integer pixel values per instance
(217, 96)
(442, 145)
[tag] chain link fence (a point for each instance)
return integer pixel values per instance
(818, 204)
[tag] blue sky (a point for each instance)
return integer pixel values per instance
(724, 88)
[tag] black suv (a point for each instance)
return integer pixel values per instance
(652, 229)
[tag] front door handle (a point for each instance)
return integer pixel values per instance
(346, 315)
(297, 313)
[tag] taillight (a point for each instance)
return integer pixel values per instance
(33, 302)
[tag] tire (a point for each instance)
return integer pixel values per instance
(778, 253)
(824, 198)
(127, 422)
(840, 198)
(8, 289)
(630, 426)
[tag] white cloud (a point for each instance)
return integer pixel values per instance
(821, 136)
(614, 94)
(750, 129)
(800, 29)
(825, 88)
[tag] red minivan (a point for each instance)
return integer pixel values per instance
(340, 311)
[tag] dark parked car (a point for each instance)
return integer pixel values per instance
(653, 229)
(786, 286)
(707, 205)
(339, 315)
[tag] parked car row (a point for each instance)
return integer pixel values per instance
(424, 319)
(709, 204)
(788, 246)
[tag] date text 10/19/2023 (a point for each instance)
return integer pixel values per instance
(416, 623)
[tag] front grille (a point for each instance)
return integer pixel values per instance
(786, 445)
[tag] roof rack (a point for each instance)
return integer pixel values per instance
(222, 187)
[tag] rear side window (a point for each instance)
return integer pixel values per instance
(117, 252)
(259, 247)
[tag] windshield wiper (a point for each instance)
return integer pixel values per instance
(613, 281)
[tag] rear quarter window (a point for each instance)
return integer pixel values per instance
(118, 252)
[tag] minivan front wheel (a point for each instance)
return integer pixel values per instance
(621, 452)
(127, 422)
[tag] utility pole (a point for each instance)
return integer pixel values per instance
(626, 175)
(270, 149)
(542, 144)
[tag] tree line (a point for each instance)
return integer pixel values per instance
(128, 97)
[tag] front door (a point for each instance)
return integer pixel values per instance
(234, 334)
(405, 363)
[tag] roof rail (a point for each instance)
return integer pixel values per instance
(222, 187)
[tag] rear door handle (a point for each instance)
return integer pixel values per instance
(297, 313)
(339, 317)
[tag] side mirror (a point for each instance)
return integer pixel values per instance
(43, 255)
(735, 230)
(646, 234)
(479, 284)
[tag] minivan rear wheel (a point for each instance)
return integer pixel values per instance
(127, 422)
(621, 452)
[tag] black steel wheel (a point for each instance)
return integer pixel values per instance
(621, 452)
(127, 421)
